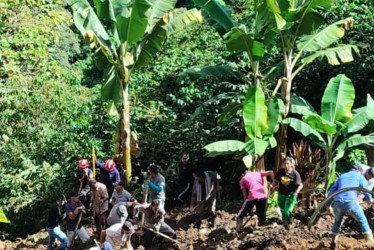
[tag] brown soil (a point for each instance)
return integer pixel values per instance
(272, 237)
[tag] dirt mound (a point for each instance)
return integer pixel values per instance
(273, 236)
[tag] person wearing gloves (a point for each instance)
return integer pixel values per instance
(347, 204)
(117, 236)
(289, 184)
(109, 175)
(156, 184)
(153, 222)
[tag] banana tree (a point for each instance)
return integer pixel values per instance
(336, 129)
(127, 34)
(261, 122)
(303, 38)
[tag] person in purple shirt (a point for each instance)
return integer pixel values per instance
(110, 175)
(347, 204)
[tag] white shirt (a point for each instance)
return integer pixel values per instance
(115, 237)
(365, 168)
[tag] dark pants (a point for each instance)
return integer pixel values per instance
(260, 209)
(100, 222)
(150, 238)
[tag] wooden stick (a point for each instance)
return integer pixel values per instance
(80, 186)
(163, 235)
(75, 229)
(93, 162)
(97, 244)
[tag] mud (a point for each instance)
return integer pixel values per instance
(273, 236)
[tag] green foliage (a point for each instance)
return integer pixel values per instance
(352, 157)
(48, 120)
(337, 103)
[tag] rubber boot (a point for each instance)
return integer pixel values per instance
(239, 223)
(334, 240)
(369, 237)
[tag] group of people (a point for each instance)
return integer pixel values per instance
(288, 183)
(111, 203)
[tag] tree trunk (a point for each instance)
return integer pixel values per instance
(369, 150)
(126, 136)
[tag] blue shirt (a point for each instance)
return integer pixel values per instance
(350, 179)
(113, 176)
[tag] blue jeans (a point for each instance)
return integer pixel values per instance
(351, 208)
(61, 236)
(106, 246)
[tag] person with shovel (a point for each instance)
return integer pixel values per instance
(204, 193)
(99, 199)
(156, 185)
(347, 204)
(84, 174)
(74, 209)
(154, 223)
(254, 194)
(53, 227)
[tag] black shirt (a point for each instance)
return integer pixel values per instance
(288, 183)
(55, 216)
(185, 173)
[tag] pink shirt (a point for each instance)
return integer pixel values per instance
(253, 182)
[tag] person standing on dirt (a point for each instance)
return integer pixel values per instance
(74, 208)
(53, 227)
(153, 222)
(120, 195)
(252, 187)
(84, 174)
(347, 204)
(185, 180)
(99, 199)
(156, 184)
(109, 175)
(289, 184)
(204, 192)
(117, 236)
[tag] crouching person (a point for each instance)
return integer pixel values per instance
(53, 227)
(204, 192)
(74, 227)
(117, 236)
(119, 213)
(153, 222)
(347, 204)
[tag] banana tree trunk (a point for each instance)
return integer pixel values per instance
(369, 150)
(126, 135)
(282, 134)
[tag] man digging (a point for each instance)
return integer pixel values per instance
(347, 204)
(204, 192)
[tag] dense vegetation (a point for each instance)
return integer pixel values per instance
(51, 111)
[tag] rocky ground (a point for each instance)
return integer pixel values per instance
(272, 237)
